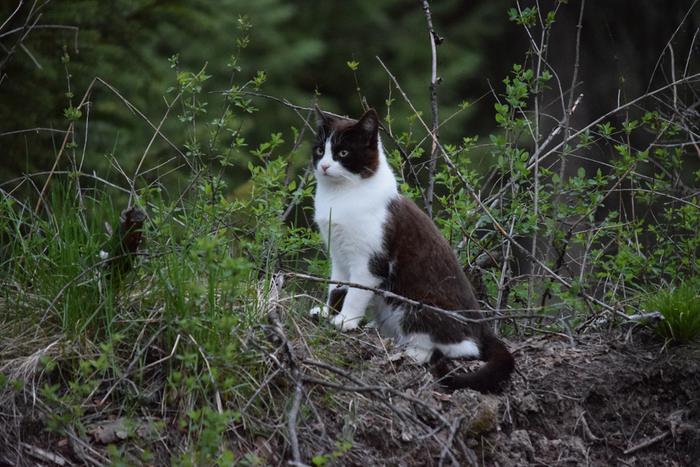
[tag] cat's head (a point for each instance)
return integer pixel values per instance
(346, 150)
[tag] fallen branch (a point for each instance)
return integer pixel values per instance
(646, 443)
(273, 315)
(44, 455)
(450, 439)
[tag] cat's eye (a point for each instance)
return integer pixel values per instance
(319, 151)
(343, 153)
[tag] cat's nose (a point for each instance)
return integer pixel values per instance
(325, 167)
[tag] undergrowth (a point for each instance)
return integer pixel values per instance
(180, 346)
(680, 308)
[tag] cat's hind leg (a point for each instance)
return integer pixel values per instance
(419, 347)
(467, 348)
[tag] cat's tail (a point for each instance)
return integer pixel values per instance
(497, 369)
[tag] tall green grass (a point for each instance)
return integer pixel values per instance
(178, 336)
(53, 261)
(680, 308)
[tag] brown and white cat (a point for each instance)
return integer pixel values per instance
(380, 239)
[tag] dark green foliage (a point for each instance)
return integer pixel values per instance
(302, 46)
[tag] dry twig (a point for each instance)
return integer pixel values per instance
(646, 443)
(435, 40)
(276, 324)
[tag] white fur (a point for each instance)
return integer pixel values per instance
(350, 212)
(465, 349)
(322, 311)
(418, 346)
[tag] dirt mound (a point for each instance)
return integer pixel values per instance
(592, 401)
(600, 402)
(596, 400)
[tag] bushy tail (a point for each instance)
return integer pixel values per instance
(498, 367)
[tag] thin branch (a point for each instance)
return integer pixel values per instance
(71, 128)
(19, 5)
(487, 211)
(574, 79)
(678, 28)
(620, 107)
(272, 312)
(646, 443)
(386, 294)
(39, 26)
(435, 40)
(31, 130)
(453, 431)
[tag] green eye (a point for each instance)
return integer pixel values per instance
(343, 153)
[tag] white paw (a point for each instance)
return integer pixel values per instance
(419, 354)
(320, 311)
(345, 323)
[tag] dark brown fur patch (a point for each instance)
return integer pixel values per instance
(489, 378)
(337, 298)
(418, 263)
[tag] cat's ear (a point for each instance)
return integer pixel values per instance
(322, 120)
(369, 123)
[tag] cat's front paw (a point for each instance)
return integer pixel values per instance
(320, 311)
(345, 323)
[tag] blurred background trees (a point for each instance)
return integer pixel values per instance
(51, 51)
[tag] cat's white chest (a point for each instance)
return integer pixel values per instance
(351, 216)
(351, 225)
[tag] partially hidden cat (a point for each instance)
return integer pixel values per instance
(380, 239)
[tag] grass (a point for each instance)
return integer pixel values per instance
(178, 340)
(49, 259)
(680, 307)
(179, 344)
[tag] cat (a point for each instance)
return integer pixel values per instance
(378, 238)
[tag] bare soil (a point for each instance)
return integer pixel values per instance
(595, 400)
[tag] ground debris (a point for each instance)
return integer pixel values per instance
(119, 429)
(601, 402)
(44, 455)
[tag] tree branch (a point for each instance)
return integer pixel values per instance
(435, 40)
